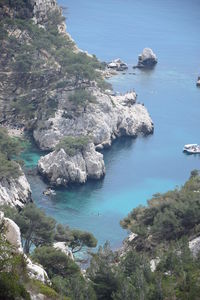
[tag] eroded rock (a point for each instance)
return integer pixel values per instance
(147, 59)
(109, 117)
(62, 169)
(15, 192)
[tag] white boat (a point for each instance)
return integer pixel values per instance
(192, 148)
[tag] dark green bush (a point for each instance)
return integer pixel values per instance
(81, 97)
(72, 145)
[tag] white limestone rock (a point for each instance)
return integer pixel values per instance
(36, 271)
(108, 118)
(154, 263)
(194, 246)
(62, 169)
(64, 248)
(13, 236)
(15, 192)
(147, 59)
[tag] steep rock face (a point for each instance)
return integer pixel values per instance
(194, 246)
(15, 192)
(41, 9)
(147, 59)
(13, 236)
(61, 169)
(109, 117)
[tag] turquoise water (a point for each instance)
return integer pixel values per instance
(136, 169)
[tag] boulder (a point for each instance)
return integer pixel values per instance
(117, 65)
(63, 169)
(147, 59)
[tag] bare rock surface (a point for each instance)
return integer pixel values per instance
(13, 236)
(147, 59)
(109, 117)
(15, 192)
(62, 169)
(64, 248)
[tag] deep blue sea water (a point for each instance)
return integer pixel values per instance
(136, 169)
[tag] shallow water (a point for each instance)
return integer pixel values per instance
(136, 169)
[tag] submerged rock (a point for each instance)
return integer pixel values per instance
(63, 169)
(15, 192)
(147, 59)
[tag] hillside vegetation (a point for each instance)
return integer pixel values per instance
(38, 62)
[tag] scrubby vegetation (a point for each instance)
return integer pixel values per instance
(43, 59)
(81, 97)
(72, 145)
(126, 274)
(168, 216)
(9, 149)
(41, 231)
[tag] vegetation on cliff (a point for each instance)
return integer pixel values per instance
(9, 149)
(127, 274)
(168, 216)
(38, 61)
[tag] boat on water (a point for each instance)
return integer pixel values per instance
(49, 192)
(192, 148)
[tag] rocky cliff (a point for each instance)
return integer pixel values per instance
(55, 90)
(15, 191)
(13, 236)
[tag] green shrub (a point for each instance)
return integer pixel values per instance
(55, 261)
(72, 145)
(81, 97)
(11, 288)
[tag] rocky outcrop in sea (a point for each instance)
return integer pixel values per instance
(198, 81)
(62, 169)
(147, 59)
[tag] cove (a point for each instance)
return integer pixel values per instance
(135, 168)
